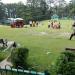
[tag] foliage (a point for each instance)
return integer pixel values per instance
(66, 64)
(37, 9)
(4, 54)
(19, 57)
(2, 10)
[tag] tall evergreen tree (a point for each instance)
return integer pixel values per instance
(2, 10)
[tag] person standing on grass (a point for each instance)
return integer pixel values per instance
(33, 23)
(49, 24)
(30, 23)
(73, 34)
(37, 23)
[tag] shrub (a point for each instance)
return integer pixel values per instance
(66, 64)
(19, 57)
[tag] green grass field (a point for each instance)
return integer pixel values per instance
(45, 45)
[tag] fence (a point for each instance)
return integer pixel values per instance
(13, 71)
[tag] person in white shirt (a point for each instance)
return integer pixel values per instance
(30, 23)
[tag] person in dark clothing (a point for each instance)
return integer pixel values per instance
(14, 45)
(6, 42)
(52, 24)
(49, 24)
(2, 42)
(73, 34)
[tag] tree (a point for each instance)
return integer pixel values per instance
(19, 57)
(33, 3)
(38, 9)
(2, 10)
(59, 6)
(66, 64)
(10, 10)
(72, 7)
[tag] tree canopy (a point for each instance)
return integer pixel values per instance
(38, 9)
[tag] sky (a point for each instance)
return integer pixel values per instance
(13, 1)
(16, 1)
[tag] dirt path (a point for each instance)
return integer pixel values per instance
(4, 63)
(9, 44)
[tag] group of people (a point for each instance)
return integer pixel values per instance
(33, 23)
(54, 24)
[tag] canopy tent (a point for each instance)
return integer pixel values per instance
(18, 19)
(17, 23)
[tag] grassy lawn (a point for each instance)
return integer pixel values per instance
(45, 45)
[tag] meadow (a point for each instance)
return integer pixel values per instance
(44, 44)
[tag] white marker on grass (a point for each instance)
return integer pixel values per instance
(48, 53)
